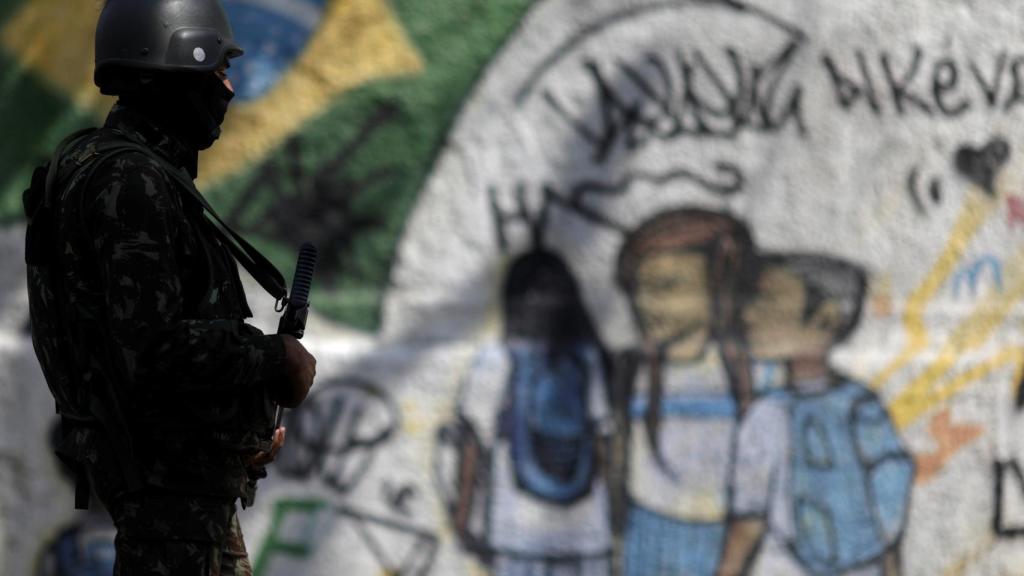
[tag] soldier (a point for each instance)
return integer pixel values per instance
(166, 395)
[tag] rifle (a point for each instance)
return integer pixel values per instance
(297, 305)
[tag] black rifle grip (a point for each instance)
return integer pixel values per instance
(294, 319)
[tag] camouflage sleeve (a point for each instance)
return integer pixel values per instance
(135, 220)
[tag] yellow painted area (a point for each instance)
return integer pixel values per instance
(976, 211)
(357, 42)
(54, 39)
(1011, 356)
(935, 385)
(922, 393)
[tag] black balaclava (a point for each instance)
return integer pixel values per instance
(188, 105)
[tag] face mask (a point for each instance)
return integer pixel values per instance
(209, 100)
(189, 106)
(218, 97)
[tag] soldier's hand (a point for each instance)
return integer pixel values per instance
(300, 369)
(264, 458)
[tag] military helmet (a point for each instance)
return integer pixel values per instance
(168, 35)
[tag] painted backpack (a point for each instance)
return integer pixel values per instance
(548, 423)
(851, 479)
(81, 550)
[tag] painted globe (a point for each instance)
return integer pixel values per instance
(273, 34)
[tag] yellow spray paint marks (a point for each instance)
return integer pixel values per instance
(357, 42)
(1007, 357)
(937, 383)
(975, 213)
(924, 393)
(54, 38)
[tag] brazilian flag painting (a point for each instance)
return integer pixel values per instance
(341, 108)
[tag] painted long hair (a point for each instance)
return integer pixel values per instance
(542, 302)
(731, 266)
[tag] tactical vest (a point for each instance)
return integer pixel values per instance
(95, 404)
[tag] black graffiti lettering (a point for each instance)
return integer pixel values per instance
(583, 196)
(662, 122)
(613, 114)
(791, 110)
(913, 83)
(870, 93)
(902, 94)
(519, 214)
(682, 94)
(579, 207)
(708, 119)
(945, 77)
(990, 87)
(743, 106)
(399, 547)
(848, 92)
(579, 126)
(334, 435)
(917, 199)
(725, 180)
(670, 125)
(1008, 519)
(1019, 398)
(1017, 72)
(399, 497)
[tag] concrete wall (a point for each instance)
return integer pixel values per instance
(580, 263)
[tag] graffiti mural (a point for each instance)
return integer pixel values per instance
(697, 287)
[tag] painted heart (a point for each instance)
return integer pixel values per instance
(982, 166)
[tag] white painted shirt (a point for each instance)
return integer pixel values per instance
(694, 439)
(518, 521)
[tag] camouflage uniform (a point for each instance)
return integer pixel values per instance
(155, 310)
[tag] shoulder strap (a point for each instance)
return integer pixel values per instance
(52, 171)
(261, 269)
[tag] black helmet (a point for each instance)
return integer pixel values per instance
(166, 35)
